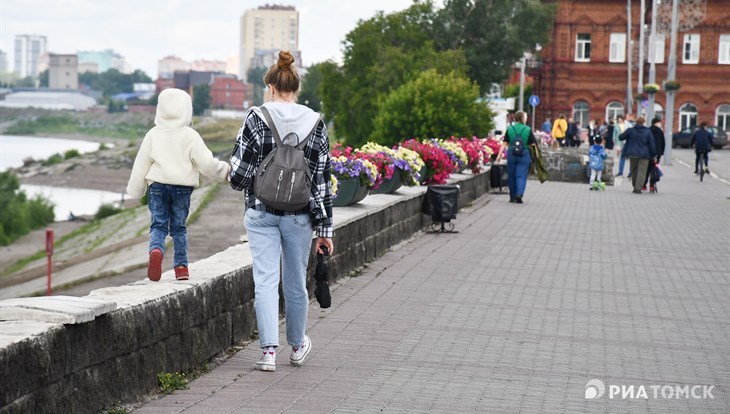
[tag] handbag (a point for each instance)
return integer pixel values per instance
(321, 275)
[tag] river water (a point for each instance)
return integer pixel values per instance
(14, 149)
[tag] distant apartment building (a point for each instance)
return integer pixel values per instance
(28, 49)
(205, 65)
(3, 61)
(84, 67)
(104, 60)
(63, 72)
(266, 30)
(167, 66)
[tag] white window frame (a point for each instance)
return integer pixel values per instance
(582, 48)
(687, 117)
(722, 117)
(723, 53)
(617, 48)
(657, 53)
(581, 114)
(658, 111)
(613, 110)
(691, 49)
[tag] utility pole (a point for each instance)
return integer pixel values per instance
(629, 98)
(671, 74)
(522, 83)
(652, 58)
(640, 84)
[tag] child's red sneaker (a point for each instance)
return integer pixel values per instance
(154, 269)
(181, 273)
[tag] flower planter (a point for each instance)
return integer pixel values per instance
(389, 185)
(350, 191)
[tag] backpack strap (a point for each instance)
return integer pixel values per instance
(272, 127)
(309, 135)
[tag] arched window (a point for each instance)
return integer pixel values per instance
(580, 113)
(722, 117)
(687, 116)
(614, 109)
(658, 111)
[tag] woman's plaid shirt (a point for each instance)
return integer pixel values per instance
(254, 141)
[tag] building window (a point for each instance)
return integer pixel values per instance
(659, 46)
(583, 47)
(617, 50)
(687, 116)
(691, 49)
(723, 57)
(722, 117)
(614, 109)
(658, 111)
(580, 112)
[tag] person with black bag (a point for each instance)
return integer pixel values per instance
(281, 240)
(518, 138)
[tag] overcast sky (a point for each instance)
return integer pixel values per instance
(144, 31)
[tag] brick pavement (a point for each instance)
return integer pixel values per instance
(516, 313)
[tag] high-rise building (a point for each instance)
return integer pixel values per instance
(28, 49)
(264, 31)
(104, 60)
(3, 62)
(167, 66)
(63, 71)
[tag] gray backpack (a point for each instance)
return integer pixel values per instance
(283, 180)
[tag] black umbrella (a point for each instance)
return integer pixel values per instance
(321, 275)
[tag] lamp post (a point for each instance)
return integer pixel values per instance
(640, 83)
(629, 98)
(671, 75)
(652, 58)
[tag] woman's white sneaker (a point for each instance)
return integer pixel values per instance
(267, 362)
(299, 353)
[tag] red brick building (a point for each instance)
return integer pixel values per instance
(583, 70)
(227, 92)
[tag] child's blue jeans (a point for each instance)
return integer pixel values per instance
(169, 207)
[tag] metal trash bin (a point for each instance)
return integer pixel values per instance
(441, 202)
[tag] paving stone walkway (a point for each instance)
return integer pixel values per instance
(516, 313)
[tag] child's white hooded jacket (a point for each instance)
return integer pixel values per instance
(172, 152)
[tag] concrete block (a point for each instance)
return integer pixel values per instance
(54, 309)
(19, 330)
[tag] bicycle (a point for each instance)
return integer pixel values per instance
(700, 155)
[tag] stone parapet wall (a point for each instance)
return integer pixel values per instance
(81, 355)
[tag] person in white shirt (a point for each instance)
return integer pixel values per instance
(168, 167)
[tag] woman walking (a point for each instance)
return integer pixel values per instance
(518, 139)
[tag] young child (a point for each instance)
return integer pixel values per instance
(168, 167)
(596, 155)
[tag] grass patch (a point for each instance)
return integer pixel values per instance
(106, 210)
(68, 124)
(171, 381)
(204, 203)
(72, 153)
(53, 159)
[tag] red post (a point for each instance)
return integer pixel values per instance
(49, 253)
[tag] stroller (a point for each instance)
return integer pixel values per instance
(654, 176)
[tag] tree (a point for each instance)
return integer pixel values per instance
(112, 81)
(310, 90)
(381, 54)
(201, 98)
(255, 75)
(432, 105)
(43, 79)
(494, 34)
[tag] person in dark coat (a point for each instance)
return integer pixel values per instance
(639, 147)
(572, 133)
(659, 141)
(608, 137)
(701, 141)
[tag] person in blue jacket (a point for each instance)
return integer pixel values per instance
(639, 148)
(701, 141)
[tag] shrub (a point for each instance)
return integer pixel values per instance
(72, 153)
(53, 159)
(171, 381)
(19, 214)
(106, 210)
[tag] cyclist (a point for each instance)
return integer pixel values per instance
(701, 141)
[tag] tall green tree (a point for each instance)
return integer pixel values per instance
(432, 105)
(201, 98)
(494, 34)
(381, 54)
(43, 79)
(255, 76)
(113, 81)
(310, 94)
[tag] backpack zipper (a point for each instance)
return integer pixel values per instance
(278, 184)
(291, 189)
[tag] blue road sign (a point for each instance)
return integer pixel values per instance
(534, 100)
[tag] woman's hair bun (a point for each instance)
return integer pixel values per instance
(285, 59)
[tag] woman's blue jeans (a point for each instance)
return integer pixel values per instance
(276, 241)
(518, 166)
(169, 207)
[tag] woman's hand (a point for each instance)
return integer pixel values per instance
(324, 242)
